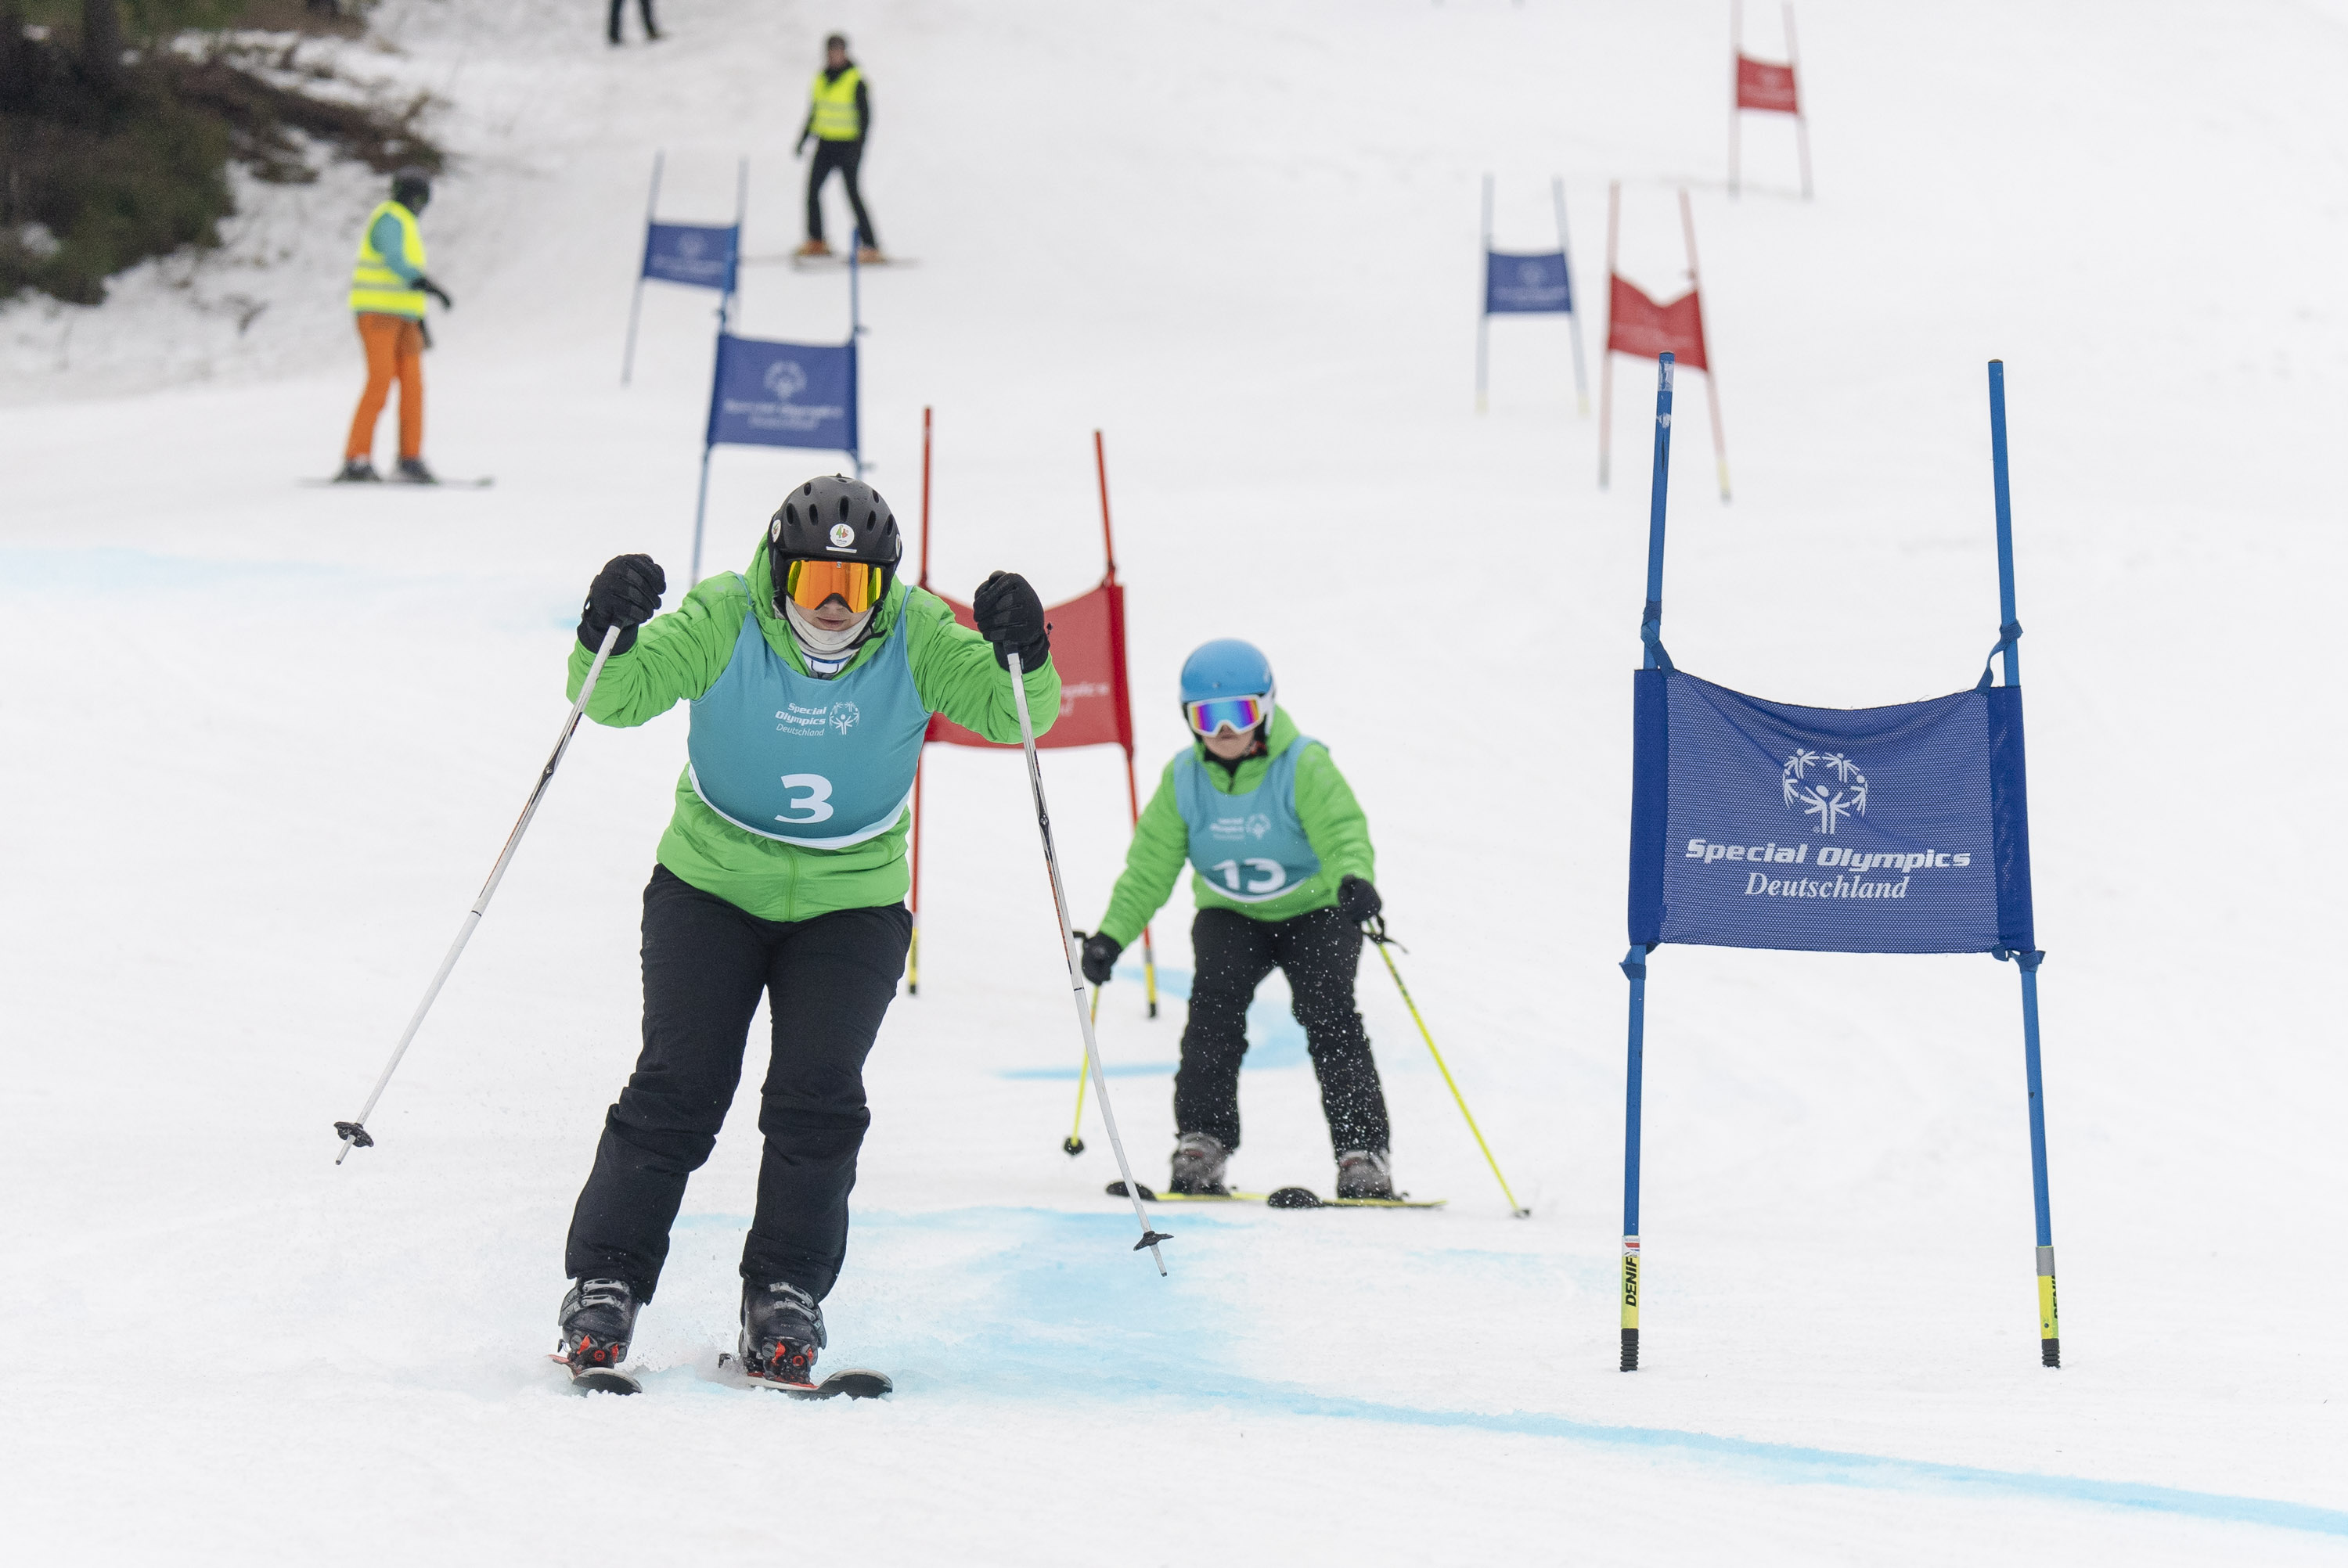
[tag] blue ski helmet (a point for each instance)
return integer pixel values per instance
(1227, 668)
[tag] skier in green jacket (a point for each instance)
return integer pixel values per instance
(812, 678)
(1282, 873)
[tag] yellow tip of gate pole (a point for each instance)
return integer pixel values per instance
(1379, 941)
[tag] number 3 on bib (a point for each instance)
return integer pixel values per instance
(815, 805)
(1272, 879)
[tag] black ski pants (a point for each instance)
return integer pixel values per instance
(828, 982)
(1231, 955)
(843, 155)
(643, 9)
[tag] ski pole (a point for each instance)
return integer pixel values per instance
(1376, 932)
(1076, 1143)
(353, 1132)
(1149, 1239)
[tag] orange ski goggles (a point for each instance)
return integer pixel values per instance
(808, 583)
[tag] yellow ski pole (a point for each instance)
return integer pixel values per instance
(1377, 935)
(1076, 1143)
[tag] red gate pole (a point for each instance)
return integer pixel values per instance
(914, 948)
(1125, 701)
(1606, 356)
(1711, 375)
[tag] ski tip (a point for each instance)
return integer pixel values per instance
(1116, 1190)
(604, 1380)
(853, 1382)
(1294, 1198)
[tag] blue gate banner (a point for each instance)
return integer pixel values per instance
(784, 394)
(698, 255)
(1844, 830)
(1528, 285)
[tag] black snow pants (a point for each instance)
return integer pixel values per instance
(643, 9)
(1231, 955)
(828, 981)
(843, 155)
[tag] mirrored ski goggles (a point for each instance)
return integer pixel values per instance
(1241, 713)
(808, 583)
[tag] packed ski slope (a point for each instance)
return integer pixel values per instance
(262, 741)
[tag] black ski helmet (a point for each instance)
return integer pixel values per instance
(412, 189)
(834, 518)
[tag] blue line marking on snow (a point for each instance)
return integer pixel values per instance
(1275, 1039)
(1074, 1318)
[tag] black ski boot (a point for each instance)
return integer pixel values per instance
(782, 1330)
(1199, 1161)
(598, 1319)
(412, 471)
(1365, 1174)
(359, 471)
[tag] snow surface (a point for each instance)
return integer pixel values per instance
(262, 742)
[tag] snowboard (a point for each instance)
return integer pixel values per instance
(856, 1382)
(481, 484)
(1280, 1198)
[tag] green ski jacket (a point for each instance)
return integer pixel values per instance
(1334, 823)
(679, 656)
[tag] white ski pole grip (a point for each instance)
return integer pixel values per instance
(354, 1132)
(1149, 1239)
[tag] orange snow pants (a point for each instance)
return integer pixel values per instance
(395, 352)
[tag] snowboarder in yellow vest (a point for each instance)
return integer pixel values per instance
(840, 115)
(388, 287)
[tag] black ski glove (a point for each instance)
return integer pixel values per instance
(1010, 615)
(1100, 956)
(626, 593)
(1357, 900)
(428, 286)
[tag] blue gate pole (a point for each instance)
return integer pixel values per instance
(1484, 299)
(709, 437)
(2050, 1329)
(1651, 621)
(741, 222)
(855, 331)
(652, 205)
(1573, 315)
(1635, 966)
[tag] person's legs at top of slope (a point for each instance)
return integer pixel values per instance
(644, 10)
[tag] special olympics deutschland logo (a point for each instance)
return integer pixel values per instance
(786, 380)
(1838, 790)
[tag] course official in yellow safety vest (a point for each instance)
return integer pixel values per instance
(839, 116)
(389, 288)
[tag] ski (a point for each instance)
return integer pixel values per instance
(597, 1379)
(1280, 1198)
(855, 1382)
(827, 263)
(481, 484)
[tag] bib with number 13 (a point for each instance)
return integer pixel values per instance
(1251, 847)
